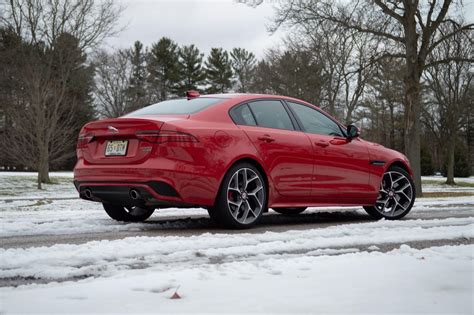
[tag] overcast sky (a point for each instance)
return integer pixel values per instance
(205, 23)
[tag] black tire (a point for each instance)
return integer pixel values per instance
(290, 211)
(221, 212)
(376, 214)
(127, 214)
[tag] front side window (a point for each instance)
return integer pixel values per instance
(180, 106)
(314, 121)
(271, 114)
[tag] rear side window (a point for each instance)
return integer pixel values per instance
(271, 114)
(181, 106)
(243, 116)
(314, 121)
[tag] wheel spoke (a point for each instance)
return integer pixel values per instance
(402, 189)
(252, 179)
(250, 208)
(244, 179)
(258, 201)
(398, 179)
(408, 198)
(246, 213)
(391, 179)
(255, 191)
(394, 207)
(237, 204)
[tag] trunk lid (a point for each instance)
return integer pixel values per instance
(121, 133)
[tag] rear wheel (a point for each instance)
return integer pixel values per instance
(242, 197)
(289, 211)
(396, 195)
(127, 213)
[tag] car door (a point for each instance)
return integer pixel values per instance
(341, 165)
(286, 151)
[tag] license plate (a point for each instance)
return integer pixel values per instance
(116, 148)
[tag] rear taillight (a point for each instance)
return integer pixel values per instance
(84, 139)
(163, 136)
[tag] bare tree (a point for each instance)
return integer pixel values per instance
(407, 29)
(113, 74)
(47, 69)
(449, 84)
(385, 101)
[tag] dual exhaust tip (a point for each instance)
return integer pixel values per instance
(88, 193)
(134, 194)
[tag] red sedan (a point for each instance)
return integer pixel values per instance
(237, 155)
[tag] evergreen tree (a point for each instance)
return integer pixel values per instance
(163, 68)
(137, 89)
(190, 69)
(218, 71)
(243, 64)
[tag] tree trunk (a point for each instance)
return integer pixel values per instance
(43, 168)
(392, 127)
(412, 128)
(412, 123)
(450, 166)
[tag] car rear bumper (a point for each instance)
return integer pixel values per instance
(157, 187)
(148, 194)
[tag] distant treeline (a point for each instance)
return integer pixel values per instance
(128, 79)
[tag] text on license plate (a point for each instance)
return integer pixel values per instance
(116, 148)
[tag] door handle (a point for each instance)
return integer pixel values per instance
(322, 143)
(266, 138)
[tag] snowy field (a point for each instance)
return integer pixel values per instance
(422, 264)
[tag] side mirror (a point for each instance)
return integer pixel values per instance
(352, 131)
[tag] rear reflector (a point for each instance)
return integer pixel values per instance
(163, 136)
(84, 139)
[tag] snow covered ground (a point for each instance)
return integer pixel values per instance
(342, 268)
(434, 280)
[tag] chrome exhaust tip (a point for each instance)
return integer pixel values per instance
(88, 193)
(134, 194)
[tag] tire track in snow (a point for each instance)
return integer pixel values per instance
(105, 258)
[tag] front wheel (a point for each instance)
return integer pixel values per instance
(396, 195)
(242, 197)
(127, 213)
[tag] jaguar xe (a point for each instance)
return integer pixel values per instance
(237, 155)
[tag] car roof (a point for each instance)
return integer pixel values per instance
(250, 96)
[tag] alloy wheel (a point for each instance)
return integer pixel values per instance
(245, 195)
(395, 195)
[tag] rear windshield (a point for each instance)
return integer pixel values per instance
(181, 106)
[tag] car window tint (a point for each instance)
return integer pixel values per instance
(314, 121)
(177, 106)
(271, 114)
(243, 116)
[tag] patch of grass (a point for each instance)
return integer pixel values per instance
(439, 194)
(8, 193)
(37, 203)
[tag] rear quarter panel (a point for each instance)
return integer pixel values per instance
(201, 167)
